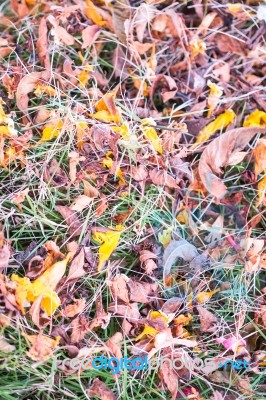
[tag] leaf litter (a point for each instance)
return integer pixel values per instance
(132, 156)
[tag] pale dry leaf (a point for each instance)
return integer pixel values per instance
(217, 154)
(5, 347)
(26, 86)
(71, 219)
(142, 292)
(259, 154)
(4, 256)
(42, 44)
(130, 312)
(90, 190)
(169, 377)
(81, 202)
(75, 308)
(89, 35)
(41, 346)
(114, 344)
(161, 178)
(61, 33)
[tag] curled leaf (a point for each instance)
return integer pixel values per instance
(217, 155)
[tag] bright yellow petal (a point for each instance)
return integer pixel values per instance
(256, 118)
(221, 122)
(109, 240)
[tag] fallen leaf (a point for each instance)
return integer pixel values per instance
(109, 242)
(42, 44)
(90, 190)
(169, 377)
(41, 346)
(89, 35)
(207, 320)
(19, 197)
(60, 33)
(214, 96)
(177, 249)
(142, 292)
(203, 297)
(119, 288)
(99, 389)
(114, 344)
(81, 202)
(76, 270)
(71, 219)
(4, 256)
(26, 86)
(221, 122)
(147, 258)
(261, 190)
(5, 347)
(43, 286)
(259, 154)
(106, 109)
(130, 311)
(161, 178)
(232, 343)
(256, 118)
(151, 135)
(91, 13)
(217, 154)
(228, 43)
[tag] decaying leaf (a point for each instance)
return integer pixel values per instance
(151, 134)
(5, 347)
(207, 320)
(259, 154)
(119, 288)
(217, 154)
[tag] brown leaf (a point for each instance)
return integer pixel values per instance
(114, 345)
(217, 155)
(119, 288)
(60, 33)
(99, 389)
(20, 8)
(76, 270)
(75, 308)
(42, 346)
(147, 258)
(227, 43)
(102, 206)
(71, 219)
(139, 173)
(26, 86)
(130, 312)
(79, 327)
(160, 177)
(142, 292)
(169, 377)
(90, 190)
(42, 44)
(89, 35)
(102, 318)
(207, 320)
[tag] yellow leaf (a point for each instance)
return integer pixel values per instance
(8, 128)
(81, 127)
(31, 2)
(108, 163)
(202, 297)
(148, 331)
(5, 131)
(165, 237)
(261, 190)
(256, 118)
(151, 135)
(43, 286)
(183, 217)
(109, 242)
(51, 132)
(213, 99)
(106, 109)
(41, 89)
(196, 47)
(219, 123)
(159, 314)
(259, 154)
(183, 319)
(92, 13)
(123, 130)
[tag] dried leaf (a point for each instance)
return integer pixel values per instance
(41, 346)
(228, 43)
(76, 270)
(60, 33)
(259, 154)
(119, 288)
(221, 122)
(161, 178)
(106, 109)
(256, 118)
(214, 96)
(109, 242)
(261, 190)
(90, 190)
(89, 35)
(151, 135)
(217, 154)
(81, 202)
(91, 12)
(207, 320)
(99, 389)
(169, 378)
(42, 44)
(26, 86)
(71, 219)
(75, 308)
(177, 249)
(4, 256)
(43, 286)
(5, 347)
